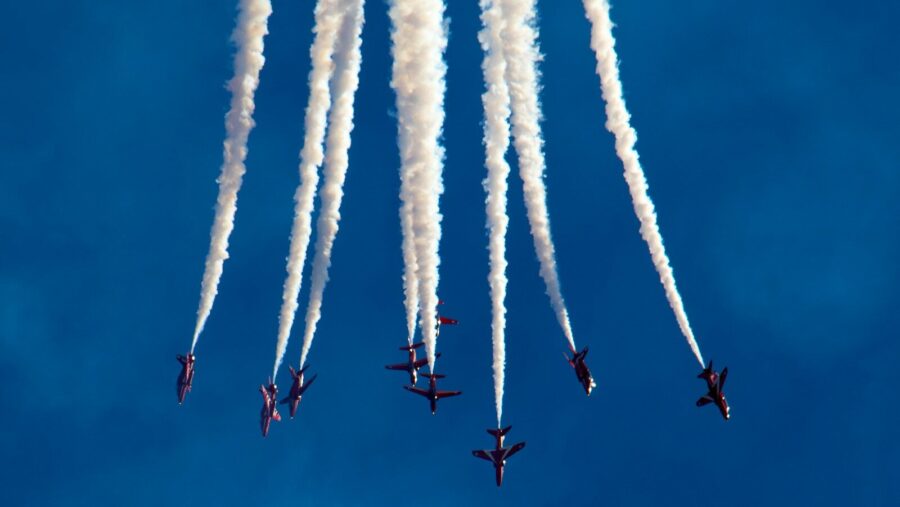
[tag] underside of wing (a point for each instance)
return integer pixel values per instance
(400, 367)
(516, 448)
(447, 394)
(483, 455)
(704, 400)
(308, 383)
(420, 392)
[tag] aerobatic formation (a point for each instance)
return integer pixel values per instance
(512, 112)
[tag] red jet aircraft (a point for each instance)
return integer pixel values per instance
(297, 389)
(715, 383)
(443, 321)
(269, 411)
(581, 370)
(499, 454)
(432, 393)
(412, 365)
(186, 377)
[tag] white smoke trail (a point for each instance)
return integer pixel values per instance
(496, 143)
(410, 265)
(252, 26)
(618, 122)
(419, 39)
(347, 59)
(521, 52)
(327, 22)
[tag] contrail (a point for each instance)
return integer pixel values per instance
(618, 122)
(248, 61)
(328, 17)
(496, 143)
(419, 39)
(521, 52)
(346, 75)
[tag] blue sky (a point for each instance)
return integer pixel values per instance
(768, 134)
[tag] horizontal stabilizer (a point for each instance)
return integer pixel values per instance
(499, 432)
(433, 375)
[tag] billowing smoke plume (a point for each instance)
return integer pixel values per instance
(419, 39)
(328, 18)
(347, 59)
(248, 61)
(496, 143)
(618, 122)
(521, 52)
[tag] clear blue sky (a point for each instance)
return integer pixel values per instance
(769, 136)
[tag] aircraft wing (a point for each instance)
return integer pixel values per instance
(398, 367)
(722, 378)
(704, 400)
(308, 383)
(421, 362)
(483, 455)
(420, 392)
(514, 449)
(447, 394)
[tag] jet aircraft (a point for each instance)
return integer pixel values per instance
(581, 370)
(269, 410)
(442, 321)
(186, 377)
(297, 388)
(715, 383)
(432, 394)
(412, 365)
(499, 454)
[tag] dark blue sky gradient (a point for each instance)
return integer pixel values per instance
(769, 136)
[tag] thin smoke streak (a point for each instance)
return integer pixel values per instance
(618, 122)
(328, 17)
(248, 35)
(346, 80)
